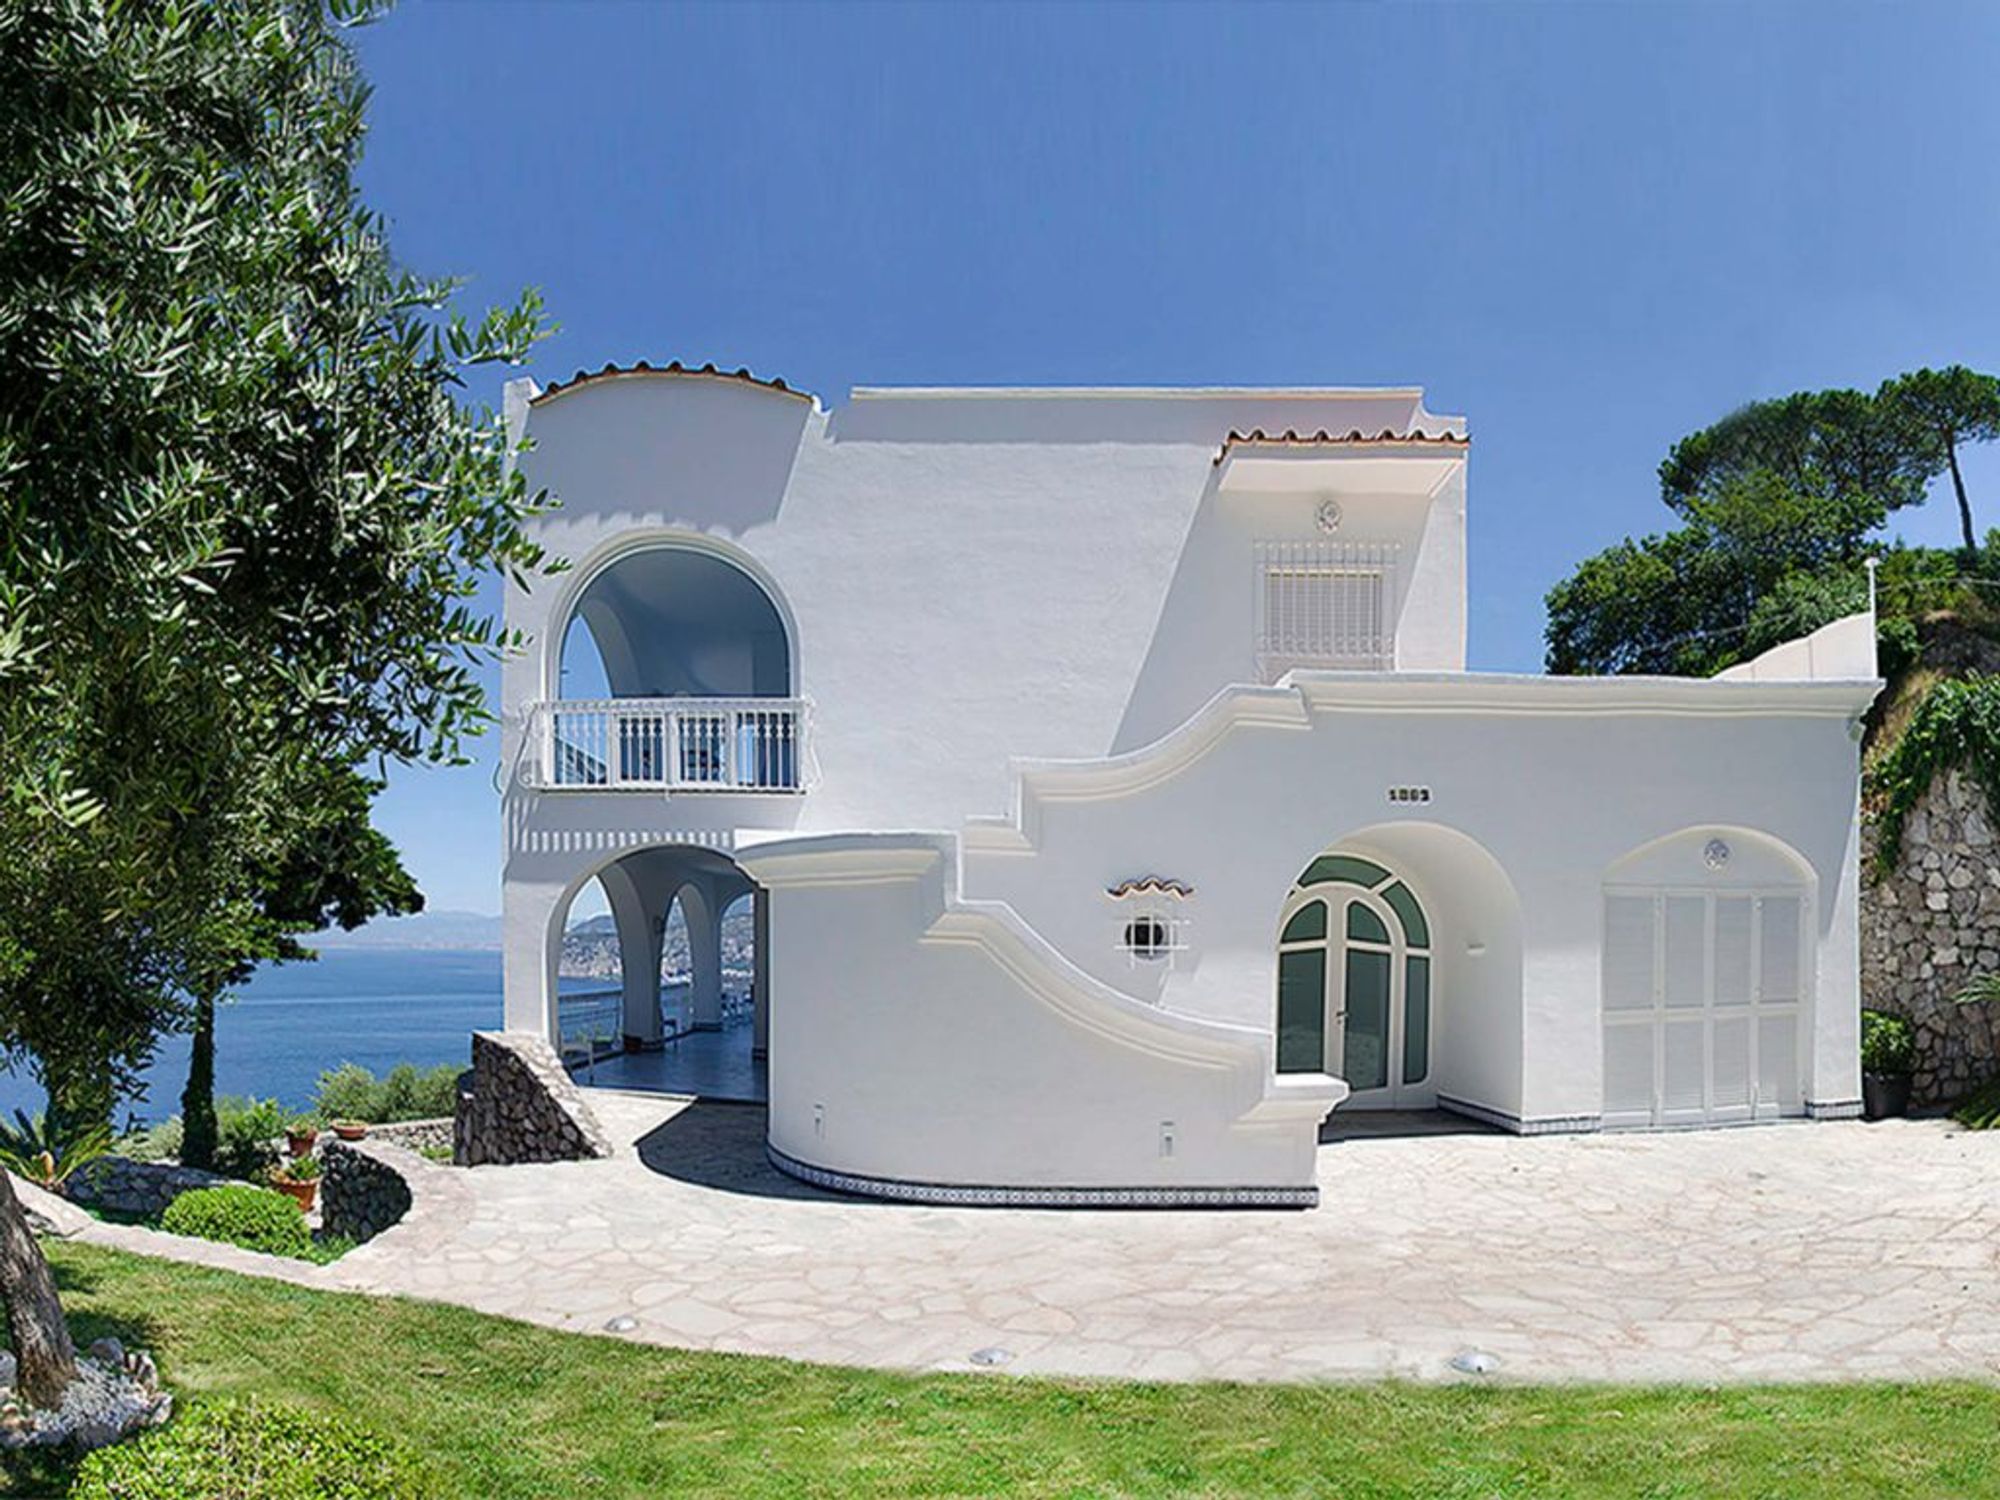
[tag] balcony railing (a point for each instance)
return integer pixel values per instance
(671, 744)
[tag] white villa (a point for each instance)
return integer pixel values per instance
(1113, 801)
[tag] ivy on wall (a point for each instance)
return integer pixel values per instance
(1957, 724)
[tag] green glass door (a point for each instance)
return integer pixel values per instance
(1354, 984)
(1366, 1027)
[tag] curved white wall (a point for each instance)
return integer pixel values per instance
(918, 1040)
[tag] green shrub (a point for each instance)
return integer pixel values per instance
(1888, 1044)
(160, 1142)
(1897, 646)
(1980, 1110)
(351, 1092)
(1957, 724)
(247, 1134)
(253, 1451)
(434, 1093)
(238, 1214)
(345, 1093)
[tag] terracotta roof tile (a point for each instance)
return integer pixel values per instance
(1145, 883)
(710, 370)
(1388, 437)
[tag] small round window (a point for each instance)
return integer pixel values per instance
(1147, 937)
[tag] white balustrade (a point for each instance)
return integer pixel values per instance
(671, 744)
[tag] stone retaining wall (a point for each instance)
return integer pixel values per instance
(360, 1194)
(416, 1135)
(117, 1184)
(1932, 925)
(518, 1104)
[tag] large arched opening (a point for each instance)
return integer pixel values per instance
(660, 975)
(676, 667)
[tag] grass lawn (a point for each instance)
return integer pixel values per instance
(505, 1409)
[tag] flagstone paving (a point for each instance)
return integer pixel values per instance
(1822, 1251)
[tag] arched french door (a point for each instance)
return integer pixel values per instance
(1354, 983)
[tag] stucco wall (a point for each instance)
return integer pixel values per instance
(1013, 610)
(1931, 925)
(920, 1040)
(1534, 806)
(969, 578)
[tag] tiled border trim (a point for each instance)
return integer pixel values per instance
(1550, 1125)
(1833, 1109)
(1562, 1125)
(958, 1195)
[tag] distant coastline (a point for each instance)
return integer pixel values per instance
(590, 947)
(429, 931)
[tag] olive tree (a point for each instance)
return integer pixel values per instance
(243, 507)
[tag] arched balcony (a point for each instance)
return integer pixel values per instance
(676, 670)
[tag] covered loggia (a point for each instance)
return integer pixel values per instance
(687, 1007)
(676, 669)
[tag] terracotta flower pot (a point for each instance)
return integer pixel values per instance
(301, 1193)
(300, 1142)
(349, 1130)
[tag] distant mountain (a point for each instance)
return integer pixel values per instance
(464, 930)
(590, 947)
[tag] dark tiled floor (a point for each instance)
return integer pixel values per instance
(706, 1064)
(1384, 1124)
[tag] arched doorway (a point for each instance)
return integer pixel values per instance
(1355, 983)
(1708, 978)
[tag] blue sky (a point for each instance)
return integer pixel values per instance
(1590, 228)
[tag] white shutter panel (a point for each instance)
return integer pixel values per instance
(1730, 1064)
(1686, 940)
(1732, 949)
(1628, 953)
(1778, 1065)
(1779, 982)
(1628, 1073)
(1684, 1049)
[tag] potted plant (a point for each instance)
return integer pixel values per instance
(300, 1136)
(1888, 1058)
(350, 1130)
(299, 1178)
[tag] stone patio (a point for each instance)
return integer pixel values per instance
(1791, 1252)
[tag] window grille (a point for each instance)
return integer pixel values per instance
(1152, 936)
(1326, 605)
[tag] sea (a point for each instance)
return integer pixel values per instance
(291, 1022)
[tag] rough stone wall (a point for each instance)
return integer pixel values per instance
(1932, 925)
(517, 1104)
(414, 1134)
(144, 1188)
(360, 1194)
